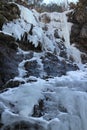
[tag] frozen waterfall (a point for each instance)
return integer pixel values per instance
(45, 102)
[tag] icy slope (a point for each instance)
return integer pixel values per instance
(65, 102)
(45, 101)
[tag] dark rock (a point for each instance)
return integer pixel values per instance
(38, 109)
(1, 124)
(8, 58)
(75, 32)
(63, 54)
(9, 11)
(79, 37)
(28, 56)
(32, 68)
(45, 28)
(2, 20)
(79, 15)
(24, 125)
(12, 84)
(54, 67)
(83, 33)
(62, 108)
(6, 38)
(84, 58)
(9, 41)
(31, 80)
(26, 45)
(79, 29)
(45, 18)
(61, 45)
(30, 32)
(56, 35)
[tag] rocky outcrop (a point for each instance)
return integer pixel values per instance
(8, 47)
(8, 12)
(79, 28)
(54, 67)
(24, 125)
(8, 58)
(32, 68)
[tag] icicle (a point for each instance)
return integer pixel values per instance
(72, 51)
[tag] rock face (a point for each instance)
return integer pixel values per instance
(8, 12)
(24, 125)
(79, 28)
(54, 67)
(32, 68)
(8, 47)
(8, 58)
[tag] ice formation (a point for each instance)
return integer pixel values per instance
(65, 97)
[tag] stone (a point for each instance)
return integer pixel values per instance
(26, 45)
(38, 109)
(75, 32)
(54, 67)
(2, 21)
(24, 125)
(9, 10)
(56, 35)
(83, 32)
(79, 28)
(12, 84)
(45, 18)
(9, 59)
(32, 68)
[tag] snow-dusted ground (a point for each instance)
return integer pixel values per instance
(65, 97)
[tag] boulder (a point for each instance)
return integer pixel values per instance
(54, 67)
(32, 68)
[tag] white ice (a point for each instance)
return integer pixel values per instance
(67, 93)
